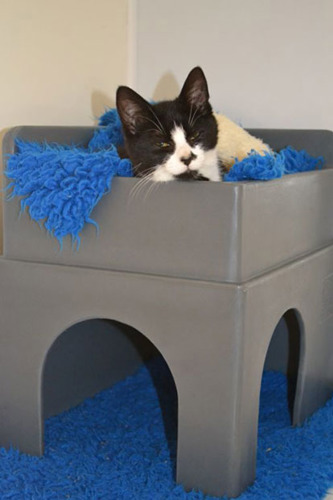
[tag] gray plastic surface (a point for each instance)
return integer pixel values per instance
(88, 357)
(139, 232)
(259, 250)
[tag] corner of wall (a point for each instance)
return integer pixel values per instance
(132, 22)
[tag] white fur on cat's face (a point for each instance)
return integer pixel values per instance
(204, 162)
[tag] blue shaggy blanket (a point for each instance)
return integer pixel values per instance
(272, 165)
(60, 185)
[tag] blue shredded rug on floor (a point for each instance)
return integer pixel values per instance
(114, 447)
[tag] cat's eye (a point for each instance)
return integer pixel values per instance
(163, 144)
(194, 136)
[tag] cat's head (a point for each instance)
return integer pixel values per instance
(171, 139)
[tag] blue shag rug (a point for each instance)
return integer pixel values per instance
(272, 165)
(119, 446)
(60, 186)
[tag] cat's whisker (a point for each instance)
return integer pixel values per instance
(154, 130)
(158, 127)
(134, 191)
(136, 187)
(190, 115)
(193, 120)
(144, 185)
(139, 186)
(157, 118)
(151, 188)
(196, 119)
(136, 167)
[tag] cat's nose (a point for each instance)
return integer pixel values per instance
(188, 159)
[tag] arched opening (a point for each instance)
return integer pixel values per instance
(96, 354)
(284, 353)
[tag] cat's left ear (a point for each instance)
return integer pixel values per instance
(195, 90)
(132, 108)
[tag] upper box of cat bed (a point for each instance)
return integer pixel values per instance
(223, 232)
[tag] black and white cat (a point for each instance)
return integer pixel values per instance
(171, 139)
(181, 139)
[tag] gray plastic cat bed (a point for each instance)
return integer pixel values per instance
(205, 271)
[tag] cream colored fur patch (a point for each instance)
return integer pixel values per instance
(234, 142)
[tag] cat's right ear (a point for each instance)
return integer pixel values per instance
(195, 90)
(132, 109)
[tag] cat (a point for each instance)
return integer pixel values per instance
(181, 139)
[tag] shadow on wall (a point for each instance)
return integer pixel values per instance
(284, 352)
(100, 102)
(166, 88)
(93, 355)
(88, 357)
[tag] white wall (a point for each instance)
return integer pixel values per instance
(269, 63)
(61, 60)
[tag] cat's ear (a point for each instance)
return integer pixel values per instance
(195, 90)
(132, 109)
